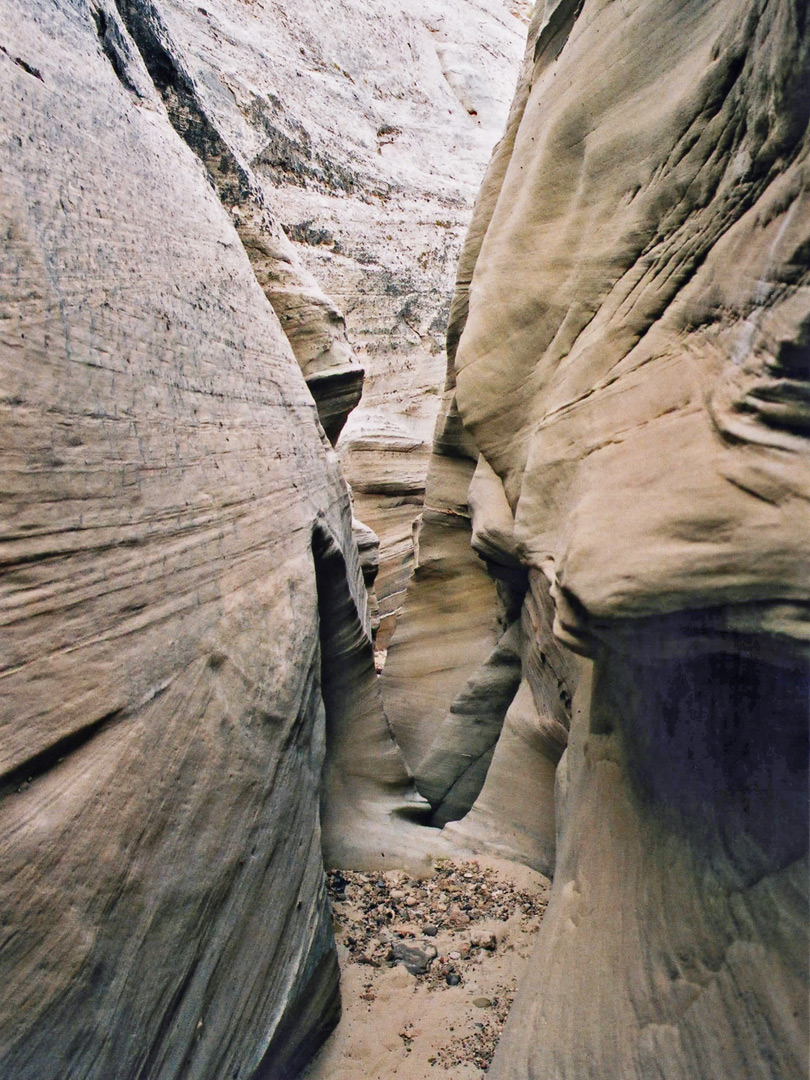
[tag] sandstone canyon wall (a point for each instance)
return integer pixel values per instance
(601, 668)
(477, 689)
(181, 593)
(630, 345)
(389, 112)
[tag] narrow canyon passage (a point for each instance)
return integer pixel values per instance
(404, 516)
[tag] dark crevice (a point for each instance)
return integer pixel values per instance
(113, 47)
(186, 115)
(161, 67)
(33, 768)
(339, 629)
(27, 68)
(553, 37)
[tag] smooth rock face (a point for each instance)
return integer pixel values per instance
(636, 373)
(453, 771)
(446, 708)
(514, 815)
(179, 586)
(633, 310)
(363, 128)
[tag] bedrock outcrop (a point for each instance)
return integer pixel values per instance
(632, 363)
(185, 635)
(226, 119)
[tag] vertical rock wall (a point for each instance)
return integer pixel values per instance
(632, 363)
(170, 627)
(471, 605)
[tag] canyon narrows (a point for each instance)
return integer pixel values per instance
(573, 540)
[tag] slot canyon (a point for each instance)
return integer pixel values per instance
(405, 539)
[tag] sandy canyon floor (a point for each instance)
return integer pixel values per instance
(429, 968)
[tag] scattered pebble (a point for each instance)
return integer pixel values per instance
(386, 921)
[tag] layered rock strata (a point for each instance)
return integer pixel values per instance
(180, 593)
(633, 366)
(453, 620)
(385, 117)
(224, 129)
(470, 588)
(366, 133)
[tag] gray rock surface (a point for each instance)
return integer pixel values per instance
(445, 707)
(227, 121)
(406, 101)
(453, 771)
(514, 815)
(364, 130)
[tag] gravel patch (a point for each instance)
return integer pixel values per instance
(429, 968)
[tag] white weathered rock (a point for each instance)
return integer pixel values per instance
(382, 225)
(188, 62)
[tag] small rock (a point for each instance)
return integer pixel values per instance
(429, 930)
(454, 955)
(452, 979)
(481, 1002)
(416, 958)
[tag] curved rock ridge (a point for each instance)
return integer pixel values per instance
(453, 617)
(631, 326)
(222, 127)
(180, 595)
(378, 123)
(448, 692)
(649, 346)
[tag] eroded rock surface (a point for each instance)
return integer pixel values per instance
(632, 309)
(225, 117)
(468, 597)
(385, 116)
(180, 590)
